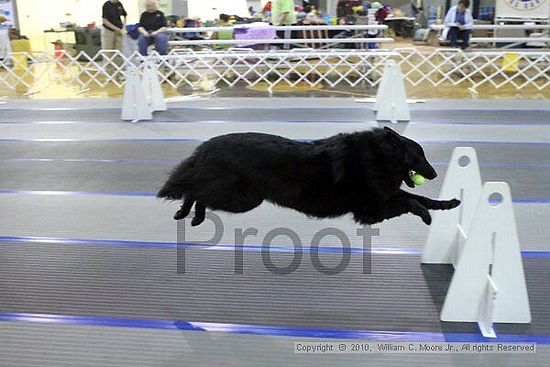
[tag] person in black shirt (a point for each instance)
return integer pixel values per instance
(113, 25)
(152, 26)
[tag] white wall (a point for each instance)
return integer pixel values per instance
(211, 9)
(35, 16)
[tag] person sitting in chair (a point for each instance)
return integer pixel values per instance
(152, 29)
(459, 22)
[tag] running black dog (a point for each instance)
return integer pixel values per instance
(359, 173)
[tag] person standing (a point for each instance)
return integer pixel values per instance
(459, 22)
(114, 20)
(282, 12)
(152, 29)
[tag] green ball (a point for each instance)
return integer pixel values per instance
(418, 179)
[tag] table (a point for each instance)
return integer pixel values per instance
(64, 35)
(399, 25)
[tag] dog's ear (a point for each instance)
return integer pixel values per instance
(393, 135)
(337, 157)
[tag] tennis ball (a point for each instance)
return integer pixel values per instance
(418, 179)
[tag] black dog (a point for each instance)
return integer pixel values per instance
(359, 173)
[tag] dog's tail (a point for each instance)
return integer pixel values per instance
(175, 186)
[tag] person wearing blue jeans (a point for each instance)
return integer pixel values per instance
(152, 29)
(459, 22)
(455, 33)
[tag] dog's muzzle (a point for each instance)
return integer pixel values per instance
(428, 172)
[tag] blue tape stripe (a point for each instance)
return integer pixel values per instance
(355, 106)
(94, 160)
(77, 193)
(231, 247)
(156, 122)
(261, 330)
(152, 194)
(488, 110)
(359, 122)
(163, 140)
(176, 161)
(498, 164)
(481, 123)
(191, 140)
(201, 246)
(483, 142)
(83, 108)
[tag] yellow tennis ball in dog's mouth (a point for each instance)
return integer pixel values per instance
(417, 178)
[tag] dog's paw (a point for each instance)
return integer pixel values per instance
(426, 217)
(180, 214)
(423, 213)
(196, 221)
(451, 204)
(443, 205)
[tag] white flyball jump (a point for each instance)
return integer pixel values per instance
(480, 239)
(142, 96)
(391, 99)
(153, 90)
(134, 105)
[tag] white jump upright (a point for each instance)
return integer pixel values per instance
(391, 99)
(134, 105)
(463, 182)
(480, 239)
(152, 89)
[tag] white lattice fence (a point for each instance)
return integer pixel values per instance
(476, 68)
(331, 68)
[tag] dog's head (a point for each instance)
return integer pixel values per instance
(410, 155)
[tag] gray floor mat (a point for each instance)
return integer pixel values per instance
(46, 345)
(363, 113)
(397, 293)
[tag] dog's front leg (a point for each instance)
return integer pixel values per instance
(431, 203)
(394, 207)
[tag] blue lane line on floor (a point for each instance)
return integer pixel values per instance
(153, 122)
(192, 140)
(231, 247)
(496, 164)
(96, 160)
(152, 195)
(261, 330)
(481, 123)
(366, 106)
(176, 161)
(78, 193)
(359, 122)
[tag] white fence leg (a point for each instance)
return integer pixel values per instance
(462, 181)
(391, 100)
(490, 261)
(134, 105)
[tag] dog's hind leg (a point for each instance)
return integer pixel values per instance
(200, 213)
(185, 208)
(430, 203)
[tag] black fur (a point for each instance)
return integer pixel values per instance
(359, 173)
